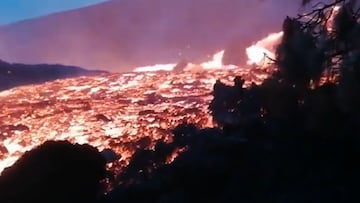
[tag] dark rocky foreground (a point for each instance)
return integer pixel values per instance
(216, 167)
(54, 172)
(220, 167)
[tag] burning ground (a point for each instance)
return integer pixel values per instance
(117, 110)
(291, 137)
(112, 110)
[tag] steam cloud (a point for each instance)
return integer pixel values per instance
(120, 35)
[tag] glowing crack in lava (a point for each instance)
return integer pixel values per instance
(259, 53)
(118, 111)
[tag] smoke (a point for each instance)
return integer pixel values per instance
(264, 49)
(120, 35)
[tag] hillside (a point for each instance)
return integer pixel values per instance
(12, 75)
(119, 35)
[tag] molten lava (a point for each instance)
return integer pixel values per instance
(263, 50)
(118, 111)
(115, 111)
(156, 67)
(215, 63)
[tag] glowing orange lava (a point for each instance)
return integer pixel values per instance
(118, 111)
(121, 111)
(113, 111)
(214, 63)
(259, 53)
(156, 67)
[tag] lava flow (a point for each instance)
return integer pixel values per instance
(117, 111)
(262, 51)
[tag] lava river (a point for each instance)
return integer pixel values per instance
(113, 110)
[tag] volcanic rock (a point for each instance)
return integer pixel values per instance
(56, 171)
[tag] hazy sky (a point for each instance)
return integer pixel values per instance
(16, 10)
